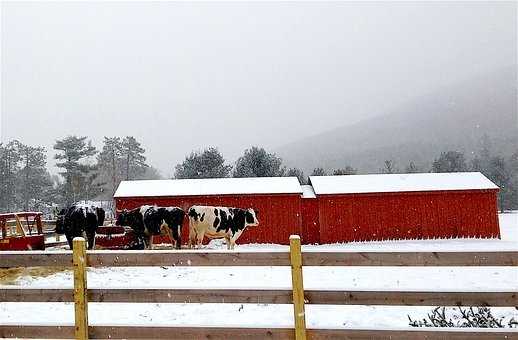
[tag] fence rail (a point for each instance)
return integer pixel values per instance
(296, 295)
(130, 258)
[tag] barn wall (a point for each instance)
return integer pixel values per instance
(279, 215)
(422, 215)
(310, 221)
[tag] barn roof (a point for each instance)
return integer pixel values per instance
(209, 186)
(355, 184)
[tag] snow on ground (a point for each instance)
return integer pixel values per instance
(318, 316)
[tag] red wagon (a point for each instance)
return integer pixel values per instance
(17, 236)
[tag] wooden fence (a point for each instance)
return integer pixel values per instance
(297, 296)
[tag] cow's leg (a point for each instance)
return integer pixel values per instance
(150, 242)
(69, 240)
(227, 241)
(192, 236)
(175, 231)
(234, 238)
(90, 235)
(199, 240)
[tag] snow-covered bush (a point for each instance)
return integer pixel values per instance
(480, 317)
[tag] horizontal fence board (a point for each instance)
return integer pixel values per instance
(16, 294)
(35, 259)
(194, 333)
(272, 296)
(417, 334)
(117, 258)
(405, 298)
(39, 332)
(493, 258)
(147, 332)
(191, 296)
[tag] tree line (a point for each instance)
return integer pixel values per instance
(86, 173)
(257, 162)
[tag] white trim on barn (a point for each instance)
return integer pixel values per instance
(209, 186)
(356, 184)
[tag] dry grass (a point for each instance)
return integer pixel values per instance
(10, 275)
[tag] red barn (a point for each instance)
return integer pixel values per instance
(405, 206)
(276, 198)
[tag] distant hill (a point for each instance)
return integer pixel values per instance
(453, 118)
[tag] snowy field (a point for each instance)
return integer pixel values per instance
(253, 315)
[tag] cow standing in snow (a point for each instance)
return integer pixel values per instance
(219, 222)
(80, 220)
(149, 220)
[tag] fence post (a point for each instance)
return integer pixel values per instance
(298, 288)
(80, 293)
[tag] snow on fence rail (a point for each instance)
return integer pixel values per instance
(297, 295)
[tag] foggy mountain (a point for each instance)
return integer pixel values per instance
(452, 118)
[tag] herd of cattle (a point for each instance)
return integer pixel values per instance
(148, 221)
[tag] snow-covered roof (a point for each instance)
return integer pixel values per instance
(307, 191)
(355, 184)
(209, 186)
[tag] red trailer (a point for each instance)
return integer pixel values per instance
(17, 236)
(276, 198)
(406, 206)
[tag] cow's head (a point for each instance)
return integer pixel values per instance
(60, 222)
(251, 217)
(122, 217)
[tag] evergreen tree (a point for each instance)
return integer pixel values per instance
(390, 167)
(451, 161)
(109, 163)
(319, 172)
(412, 168)
(348, 170)
(256, 162)
(9, 166)
(78, 175)
(296, 172)
(499, 173)
(33, 178)
(207, 164)
(133, 159)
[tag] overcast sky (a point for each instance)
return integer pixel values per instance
(180, 76)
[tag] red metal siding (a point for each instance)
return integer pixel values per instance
(310, 221)
(279, 215)
(422, 215)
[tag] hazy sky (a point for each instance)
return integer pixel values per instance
(180, 76)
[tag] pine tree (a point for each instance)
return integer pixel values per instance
(206, 164)
(78, 175)
(109, 162)
(133, 159)
(296, 172)
(451, 161)
(390, 167)
(412, 168)
(348, 170)
(256, 162)
(499, 173)
(33, 178)
(9, 166)
(319, 172)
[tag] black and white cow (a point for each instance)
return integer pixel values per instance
(219, 222)
(80, 220)
(149, 220)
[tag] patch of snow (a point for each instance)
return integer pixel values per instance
(209, 186)
(356, 184)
